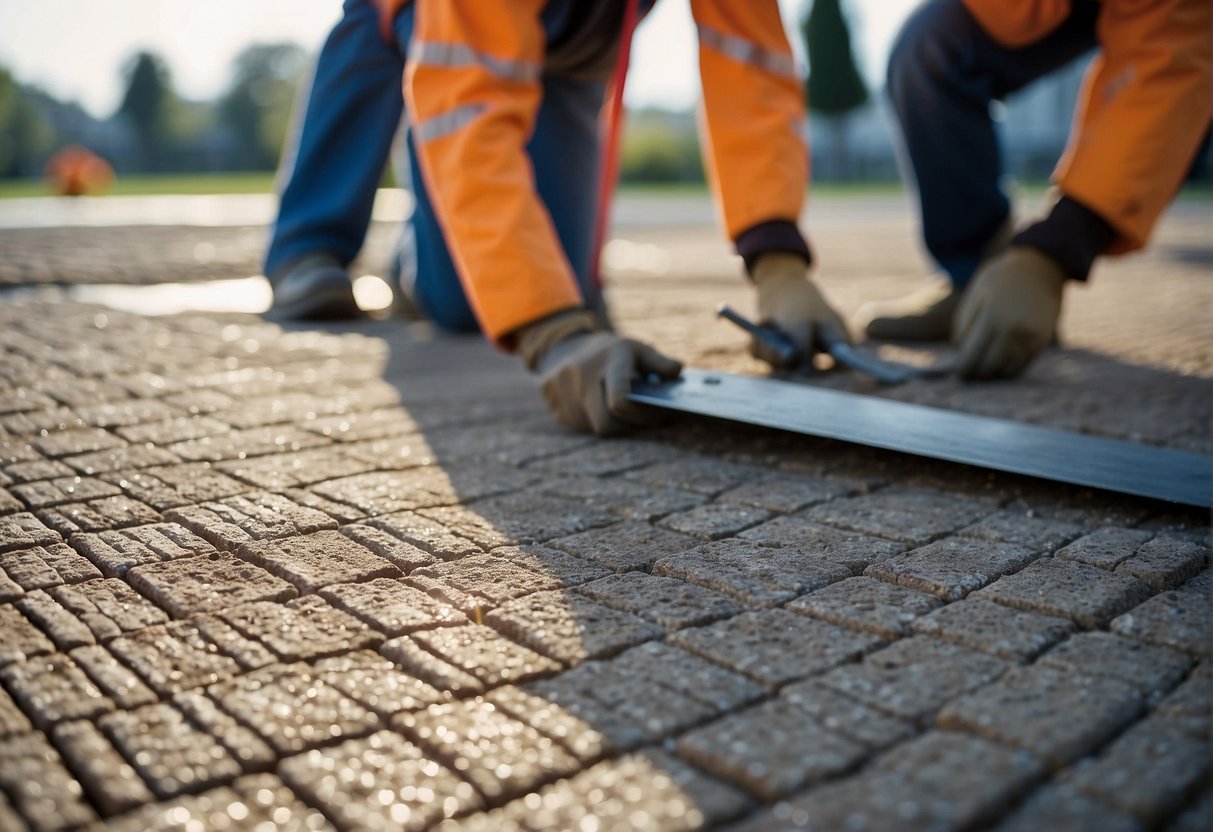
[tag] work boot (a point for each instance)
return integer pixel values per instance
(925, 315)
(313, 288)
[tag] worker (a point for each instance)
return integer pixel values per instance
(1144, 111)
(503, 103)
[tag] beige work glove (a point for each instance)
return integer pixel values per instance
(1008, 314)
(586, 374)
(788, 298)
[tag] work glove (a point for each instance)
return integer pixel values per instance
(586, 373)
(1009, 314)
(789, 299)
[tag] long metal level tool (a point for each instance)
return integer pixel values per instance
(998, 444)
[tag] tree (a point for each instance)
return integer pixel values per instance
(256, 108)
(25, 136)
(835, 88)
(146, 106)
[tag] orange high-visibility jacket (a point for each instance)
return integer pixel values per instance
(472, 87)
(1146, 103)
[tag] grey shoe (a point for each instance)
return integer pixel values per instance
(313, 288)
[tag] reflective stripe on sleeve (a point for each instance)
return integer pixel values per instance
(456, 55)
(446, 123)
(746, 52)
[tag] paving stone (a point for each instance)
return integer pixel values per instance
(579, 737)
(111, 783)
(388, 492)
(1150, 771)
(785, 494)
(172, 486)
(1040, 534)
(317, 560)
(22, 399)
(843, 715)
(377, 683)
(569, 627)
(1106, 547)
(296, 469)
(114, 680)
(1062, 807)
(53, 688)
(42, 567)
(424, 665)
(207, 583)
(12, 720)
(22, 639)
(72, 489)
(249, 654)
(9, 589)
(756, 573)
(292, 708)
(776, 646)
(172, 430)
(427, 534)
(518, 518)
(61, 626)
(1058, 716)
(79, 392)
(867, 604)
(1166, 562)
(1152, 670)
(482, 581)
(602, 459)
(625, 546)
(1085, 594)
(43, 792)
(382, 781)
(340, 512)
(715, 521)
(9, 503)
(23, 530)
(405, 556)
(13, 452)
(1012, 634)
(120, 459)
(1181, 618)
(245, 747)
(306, 628)
(849, 549)
(669, 602)
(31, 422)
(241, 444)
(482, 652)
(174, 658)
(170, 754)
(915, 677)
(569, 570)
(97, 515)
(114, 552)
(952, 568)
(62, 443)
(501, 756)
(624, 498)
(1191, 704)
(122, 413)
(651, 790)
(108, 607)
(230, 523)
(694, 473)
(37, 469)
(356, 426)
(771, 750)
(914, 516)
(393, 607)
(664, 666)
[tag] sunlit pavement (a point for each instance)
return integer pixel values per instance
(311, 577)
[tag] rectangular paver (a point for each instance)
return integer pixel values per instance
(758, 574)
(867, 604)
(1013, 634)
(207, 583)
(306, 628)
(952, 568)
(1087, 595)
(317, 560)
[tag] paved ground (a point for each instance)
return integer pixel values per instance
(319, 577)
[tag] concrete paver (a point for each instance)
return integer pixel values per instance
(353, 577)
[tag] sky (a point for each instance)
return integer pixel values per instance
(75, 49)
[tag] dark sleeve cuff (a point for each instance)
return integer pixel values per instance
(1072, 234)
(775, 235)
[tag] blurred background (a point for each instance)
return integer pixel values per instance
(182, 97)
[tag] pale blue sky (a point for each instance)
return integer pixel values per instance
(76, 48)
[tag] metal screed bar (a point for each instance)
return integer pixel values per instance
(998, 444)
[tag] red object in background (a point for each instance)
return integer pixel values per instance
(76, 170)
